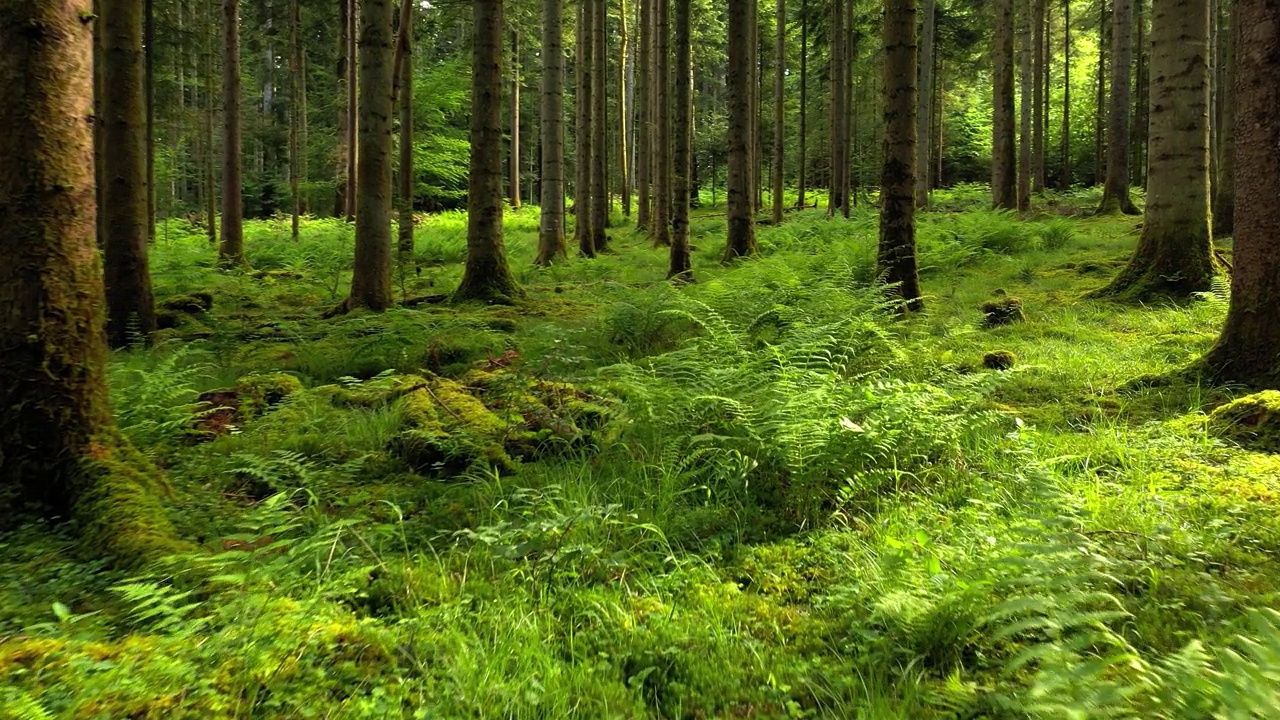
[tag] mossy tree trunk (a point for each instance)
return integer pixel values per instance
(486, 276)
(599, 128)
(644, 104)
(231, 251)
(551, 238)
(1004, 193)
(1115, 192)
(1249, 350)
(681, 266)
(741, 213)
(583, 137)
(59, 450)
(897, 252)
(371, 280)
(924, 101)
(1224, 185)
(130, 305)
(1175, 255)
(408, 177)
(662, 124)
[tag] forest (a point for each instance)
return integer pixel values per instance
(675, 359)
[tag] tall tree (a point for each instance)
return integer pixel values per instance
(342, 146)
(408, 178)
(897, 252)
(1064, 177)
(1224, 186)
(486, 276)
(600, 204)
(353, 107)
(624, 109)
(741, 214)
(662, 124)
(515, 120)
(779, 108)
(551, 238)
(130, 306)
(1004, 193)
(1115, 192)
(1247, 352)
(836, 202)
(210, 185)
(231, 252)
(1024, 107)
(1038, 96)
(644, 126)
(1100, 99)
(371, 277)
(1141, 99)
(924, 100)
(802, 170)
(296, 111)
(681, 266)
(59, 449)
(583, 136)
(1175, 255)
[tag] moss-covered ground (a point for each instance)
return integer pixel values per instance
(762, 495)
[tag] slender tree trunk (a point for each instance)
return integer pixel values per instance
(515, 120)
(149, 99)
(211, 189)
(897, 252)
(1064, 178)
(1004, 194)
(644, 103)
(231, 252)
(1247, 350)
(130, 306)
(99, 145)
(662, 189)
(779, 110)
(1141, 100)
(803, 169)
(408, 176)
(1224, 189)
(924, 102)
(741, 220)
(303, 137)
(1175, 255)
(371, 278)
(600, 203)
(551, 236)
(343, 148)
(624, 110)
(1100, 100)
(1038, 92)
(839, 118)
(1115, 192)
(1024, 108)
(486, 277)
(583, 136)
(353, 104)
(296, 111)
(59, 449)
(681, 266)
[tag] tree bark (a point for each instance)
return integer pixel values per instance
(1141, 100)
(583, 136)
(1038, 92)
(1224, 188)
(897, 251)
(130, 306)
(1248, 351)
(1064, 177)
(353, 106)
(1115, 192)
(149, 100)
(662, 191)
(803, 170)
(624, 110)
(296, 110)
(408, 176)
(681, 265)
(779, 110)
(1004, 194)
(211, 191)
(924, 101)
(371, 278)
(59, 449)
(1175, 255)
(486, 277)
(515, 121)
(551, 236)
(1024, 108)
(231, 252)
(600, 204)
(839, 118)
(343, 149)
(644, 105)
(1100, 99)
(740, 215)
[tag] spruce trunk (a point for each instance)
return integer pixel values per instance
(740, 214)
(897, 251)
(1115, 192)
(551, 236)
(371, 278)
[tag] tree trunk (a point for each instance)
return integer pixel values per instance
(551, 237)
(296, 110)
(59, 449)
(662, 191)
(897, 252)
(486, 277)
(583, 136)
(1115, 192)
(343, 148)
(353, 105)
(779, 110)
(408, 176)
(644, 105)
(1024, 109)
(1064, 178)
(211, 191)
(803, 169)
(1100, 99)
(1004, 194)
(1175, 255)
(1224, 189)
(1039, 91)
(231, 252)
(624, 111)
(1141, 101)
(149, 100)
(1247, 350)
(839, 118)
(741, 220)
(371, 277)
(681, 266)
(600, 205)
(99, 146)
(515, 121)
(924, 102)
(130, 306)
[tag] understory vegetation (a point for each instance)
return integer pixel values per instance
(761, 495)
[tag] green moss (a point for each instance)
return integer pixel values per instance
(260, 393)
(1252, 421)
(999, 360)
(1005, 311)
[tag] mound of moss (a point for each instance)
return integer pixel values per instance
(1252, 421)
(999, 360)
(1004, 311)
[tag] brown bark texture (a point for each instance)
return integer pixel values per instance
(1024, 108)
(1004, 193)
(371, 277)
(1224, 185)
(231, 251)
(740, 213)
(583, 137)
(681, 266)
(662, 124)
(779, 110)
(924, 100)
(644, 125)
(897, 251)
(1115, 192)
(408, 177)
(514, 158)
(551, 236)
(600, 204)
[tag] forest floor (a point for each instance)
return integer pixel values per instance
(762, 495)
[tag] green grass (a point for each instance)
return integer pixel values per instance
(797, 504)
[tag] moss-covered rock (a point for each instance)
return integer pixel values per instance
(1005, 311)
(446, 429)
(999, 360)
(260, 393)
(1253, 421)
(193, 304)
